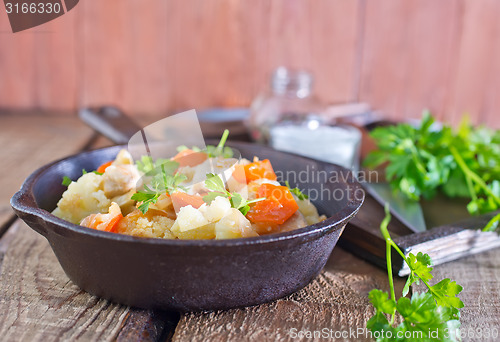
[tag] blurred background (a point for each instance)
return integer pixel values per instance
(159, 57)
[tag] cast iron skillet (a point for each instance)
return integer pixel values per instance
(192, 275)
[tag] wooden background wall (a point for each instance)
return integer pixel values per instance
(157, 56)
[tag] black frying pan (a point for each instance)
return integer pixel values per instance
(196, 274)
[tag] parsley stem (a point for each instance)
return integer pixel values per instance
(222, 141)
(472, 192)
(388, 257)
(389, 273)
(416, 159)
(465, 169)
(492, 224)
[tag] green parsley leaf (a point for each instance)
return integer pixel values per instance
(445, 293)
(146, 165)
(211, 196)
(422, 161)
(146, 199)
(164, 179)
(215, 183)
(213, 151)
(381, 302)
(429, 316)
(297, 192)
(84, 172)
(66, 181)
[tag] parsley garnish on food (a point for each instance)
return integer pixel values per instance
(213, 151)
(67, 181)
(432, 316)
(85, 172)
(422, 161)
(164, 179)
(147, 165)
(147, 197)
(297, 192)
(215, 183)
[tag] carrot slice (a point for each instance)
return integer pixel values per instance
(278, 206)
(181, 199)
(239, 174)
(111, 225)
(105, 222)
(189, 157)
(259, 169)
(103, 167)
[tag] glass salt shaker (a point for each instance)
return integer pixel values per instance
(288, 101)
(289, 118)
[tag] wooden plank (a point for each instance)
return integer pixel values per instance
(39, 303)
(407, 48)
(17, 66)
(29, 142)
(337, 299)
(334, 45)
(480, 277)
(55, 83)
(103, 65)
(476, 60)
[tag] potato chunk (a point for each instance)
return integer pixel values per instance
(234, 225)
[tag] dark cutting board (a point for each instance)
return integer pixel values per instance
(454, 233)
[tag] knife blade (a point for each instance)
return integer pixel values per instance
(407, 211)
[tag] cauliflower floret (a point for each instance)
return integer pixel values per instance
(123, 158)
(82, 198)
(149, 225)
(93, 193)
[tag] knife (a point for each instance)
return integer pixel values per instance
(407, 211)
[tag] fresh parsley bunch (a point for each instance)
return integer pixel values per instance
(422, 161)
(430, 316)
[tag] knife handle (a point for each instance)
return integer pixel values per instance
(111, 122)
(450, 242)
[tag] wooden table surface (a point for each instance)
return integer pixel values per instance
(39, 303)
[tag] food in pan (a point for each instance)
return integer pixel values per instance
(196, 194)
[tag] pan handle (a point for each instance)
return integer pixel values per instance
(111, 122)
(25, 207)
